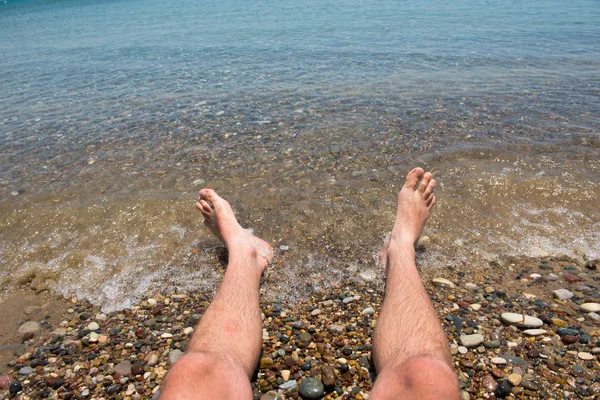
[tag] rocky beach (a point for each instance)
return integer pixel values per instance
(522, 328)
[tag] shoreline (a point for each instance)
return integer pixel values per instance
(78, 352)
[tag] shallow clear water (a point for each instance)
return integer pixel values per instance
(306, 115)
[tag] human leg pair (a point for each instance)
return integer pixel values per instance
(410, 349)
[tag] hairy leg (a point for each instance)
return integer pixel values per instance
(409, 346)
(225, 347)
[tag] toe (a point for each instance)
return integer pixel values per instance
(412, 178)
(205, 206)
(427, 176)
(431, 201)
(429, 189)
(211, 197)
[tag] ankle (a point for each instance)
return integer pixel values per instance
(399, 245)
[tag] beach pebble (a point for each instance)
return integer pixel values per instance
(289, 385)
(29, 327)
(328, 375)
(498, 361)
(534, 332)
(463, 350)
(285, 374)
(15, 387)
(571, 278)
(93, 326)
(311, 388)
(443, 283)
(471, 286)
(188, 330)
(94, 337)
(14, 193)
(562, 294)
(151, 359)
(123, 368)
(348, 299)
(100, 317)
(586, 356)
(475, 306)
(489, 383)
(271, 395)
(29, 370)
(471, 340)
(368, 311)
(174, 356)
(591, 307)
(517, 319)
(515, 379)
(5, 381)
(315, 312)
(198, 182)
(166, 335)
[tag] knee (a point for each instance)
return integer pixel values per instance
(428, 372)
(206, 372)
(418, 378)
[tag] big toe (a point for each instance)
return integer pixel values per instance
(413, 177)
(210, 196)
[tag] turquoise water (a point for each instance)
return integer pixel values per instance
(304, 114)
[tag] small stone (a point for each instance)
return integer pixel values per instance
(271, 395)
(492, 344)
(305, 337)
(471, 340)
(470, 285)
(586, 356)
(100, 317)
(521, 320)
(475, 306)
(289, 385)
(137, 369)
(198, 182)
(94, 337)
(515, 379)
(348, 299)
(328, 375)
(285, 374)
(93, 326)
(443, 283)
(503, 389)
(151, 359)
(528, 382)
(166, 335)
(571, 278)
(498, 361)
(463, 350)
(174, 356)
(266, 363)
(188, 330)
(123, 368)
(563, 294)
(315, 312)
(560, 323)
(591, 307)
(311, 388)
(15, 387)
(534, 332)
(29, 327)
(489, 383)
(113, 389)
(29, 370)
(368, 311)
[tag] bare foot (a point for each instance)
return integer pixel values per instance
(415, 202)
(219, 218)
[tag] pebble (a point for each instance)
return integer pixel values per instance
(498, 361)
(471, 340)
(29, 370)
(174, 356)
(315, 312)
(289, 385)
(311, 388)
(442, 282)
(31, 309)
(463, 350)
(563, 294)
(489, 383)
(29, 327)
(266, 363)
(517, 319)
(188, 330)
(534, 332)
(503, 389)
(328, 375)
(285, 374)
(571, 278)
(515, 379)
(271, 395)
(93, 326)
(591, 307)
(15, 387)
(586, 356)
(368, 311)
(475, 306)
(123, 368)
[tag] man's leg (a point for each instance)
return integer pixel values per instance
(225, 347)
(409, 346)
